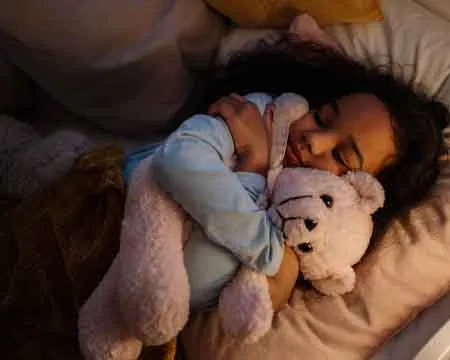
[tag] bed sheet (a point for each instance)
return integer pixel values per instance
(413, 337)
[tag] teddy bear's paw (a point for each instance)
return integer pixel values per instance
(245, 307)
(339, 284)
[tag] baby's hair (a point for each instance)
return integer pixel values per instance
(322, 74)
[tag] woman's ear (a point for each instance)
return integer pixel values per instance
(370, 190)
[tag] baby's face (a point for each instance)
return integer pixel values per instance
(353, 133)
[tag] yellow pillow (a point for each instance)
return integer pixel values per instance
(279, 13)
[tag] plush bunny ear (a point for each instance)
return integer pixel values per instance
(370, 190)
(288, 107)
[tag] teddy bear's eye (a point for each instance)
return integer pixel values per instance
(327, 200)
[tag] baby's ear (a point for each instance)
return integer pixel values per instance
(370, 190)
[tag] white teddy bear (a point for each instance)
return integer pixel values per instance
(144, 297)
(327, 219)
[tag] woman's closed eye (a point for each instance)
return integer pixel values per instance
(323, 124)
(337, 156)
(348, 157)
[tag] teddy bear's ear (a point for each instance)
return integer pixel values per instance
(370, 190)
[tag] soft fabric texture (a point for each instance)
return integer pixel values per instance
(408, 270)
(200, 151)
(126, 66)
(391, 288)
(55, 247)
(308, 205)
(140, 302)
(412, 40)
(29, 162)
(279, 13)
(129, 307)
(424, 35)
(438, 7)
(408, 342)
(304, 27)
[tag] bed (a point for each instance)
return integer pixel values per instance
(413, 32)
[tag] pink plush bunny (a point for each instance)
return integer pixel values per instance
(144, 297)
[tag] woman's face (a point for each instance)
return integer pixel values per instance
(353, 133)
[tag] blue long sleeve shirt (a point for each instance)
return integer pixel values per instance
(191, 166)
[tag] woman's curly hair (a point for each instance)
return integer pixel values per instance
(322, 74)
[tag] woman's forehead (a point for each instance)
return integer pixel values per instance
(367, 120)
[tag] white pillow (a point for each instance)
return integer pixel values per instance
(412, 38)
(439, 7)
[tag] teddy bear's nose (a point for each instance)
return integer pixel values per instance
(310, 224)
(305, 247)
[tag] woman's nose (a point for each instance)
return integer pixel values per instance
(320, 142)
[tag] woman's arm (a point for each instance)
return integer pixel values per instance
(251, 131)
(283, 282)
(190, 167)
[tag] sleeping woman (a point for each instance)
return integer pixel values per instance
(360, 119)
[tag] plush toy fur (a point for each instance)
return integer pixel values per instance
(144, 297)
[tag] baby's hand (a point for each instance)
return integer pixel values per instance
(250, 131)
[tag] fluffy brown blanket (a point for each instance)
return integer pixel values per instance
(54, 249)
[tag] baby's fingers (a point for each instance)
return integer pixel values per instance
(231, 103)
(226, 111)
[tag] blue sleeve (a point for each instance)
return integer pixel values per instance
(253, 183)
(190, 167)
